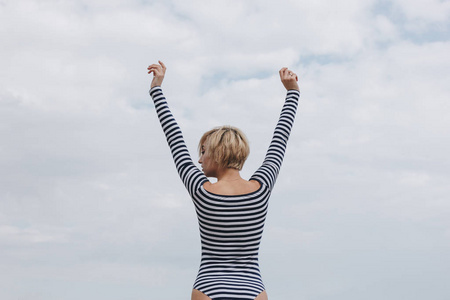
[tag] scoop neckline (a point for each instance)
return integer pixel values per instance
(237, 195)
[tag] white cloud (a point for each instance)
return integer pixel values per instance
(12, 234)
(425, 10)
(90, 197)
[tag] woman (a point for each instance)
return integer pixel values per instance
(232, 211)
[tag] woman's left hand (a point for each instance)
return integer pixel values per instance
(158, 73)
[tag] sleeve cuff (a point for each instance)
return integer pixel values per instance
(154, 89)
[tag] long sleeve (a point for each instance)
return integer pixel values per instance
(231, 226)
(191, 176)
(269, 170)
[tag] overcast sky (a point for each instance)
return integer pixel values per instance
(90, 203)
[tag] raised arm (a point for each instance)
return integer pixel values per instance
(191, 176)
(269, 170)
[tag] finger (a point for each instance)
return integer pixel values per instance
(287, 73)
(155, 70)
(162, 65)
(292, 75)
(153, 66)
(282, 73)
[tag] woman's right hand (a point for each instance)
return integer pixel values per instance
(289, 79)
(158, 73)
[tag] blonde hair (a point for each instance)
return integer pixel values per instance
(226, 145)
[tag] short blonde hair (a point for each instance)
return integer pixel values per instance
(226, 145)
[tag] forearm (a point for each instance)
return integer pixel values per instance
(277, 148)
(171, 129)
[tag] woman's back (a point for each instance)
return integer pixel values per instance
(231, 228)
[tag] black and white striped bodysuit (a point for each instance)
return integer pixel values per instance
(231, 227)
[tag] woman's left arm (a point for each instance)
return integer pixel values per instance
(268, 172)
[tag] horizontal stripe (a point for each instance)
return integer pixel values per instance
(230, 226)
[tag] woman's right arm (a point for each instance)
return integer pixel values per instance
(191, 176)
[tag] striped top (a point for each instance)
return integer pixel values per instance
(231, 227)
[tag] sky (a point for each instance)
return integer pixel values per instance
(90, 203)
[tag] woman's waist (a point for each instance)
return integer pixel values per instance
(244, 265)
(225, 261)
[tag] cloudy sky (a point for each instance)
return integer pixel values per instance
(90, 203)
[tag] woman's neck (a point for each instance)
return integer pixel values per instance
(228, 175)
